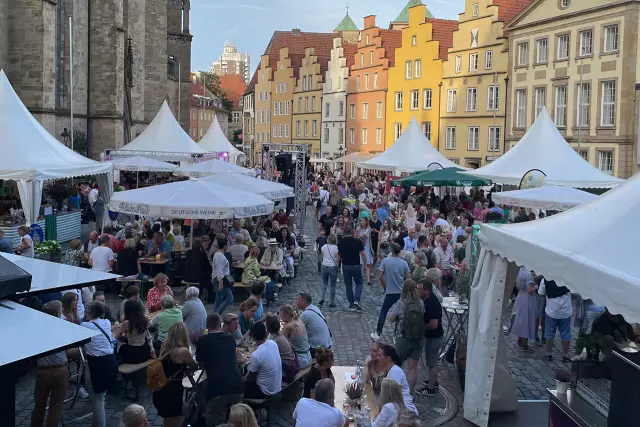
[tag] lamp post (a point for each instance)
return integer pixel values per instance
(173, 58)
(66, 137)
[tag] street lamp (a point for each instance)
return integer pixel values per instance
(66, 137)
(173, 58)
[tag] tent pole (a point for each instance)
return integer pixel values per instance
(191, 236)
(137, 179)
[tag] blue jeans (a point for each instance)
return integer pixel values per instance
(352, 273)
(223, 299)
(329, 277)
(271, 289)
(389, 300)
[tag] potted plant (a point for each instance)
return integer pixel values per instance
(48, 250)
(594, 344)
(563, 379)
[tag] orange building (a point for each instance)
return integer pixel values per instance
(366, 94)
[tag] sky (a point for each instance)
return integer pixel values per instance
(249, 24)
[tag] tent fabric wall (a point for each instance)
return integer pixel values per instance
(30, 197)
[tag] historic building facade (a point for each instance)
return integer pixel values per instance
(414, 79)
(114, 96)
(234, 86)
(203, 107)
(567, 57)
(262, 99)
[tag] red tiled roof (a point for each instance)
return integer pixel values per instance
(252, 83)
(391, 40)
(508, 9)
(349, 51)
(442, 31)
(234, 85)
(298, 42)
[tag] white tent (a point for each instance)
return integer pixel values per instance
(193, 199)
(270, 190)
(319, 160)
(544, 148)
(410, 153)
(546, 197)
(163, 139)
(356, 156)
(590, 249)
(31, 155)
(141, 164)
(215, 141)
(212, 167)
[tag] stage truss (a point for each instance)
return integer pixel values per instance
(300, 152)
(167, 156)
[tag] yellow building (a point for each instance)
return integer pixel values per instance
(568, 57)
(281, 98)
(474, 83)
(414, 79)
(262, 102)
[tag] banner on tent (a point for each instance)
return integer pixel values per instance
(532, 179)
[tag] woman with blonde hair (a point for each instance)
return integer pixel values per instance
(391, 403)
(296, 332)
(241, 415)
(435, 276)
(409, 419)
(134, 416)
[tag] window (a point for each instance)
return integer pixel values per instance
(365, 110)
(362, 58)
(375, 81)
(367, 39)
(472, 96)
(476, 10)
(306, 128)
(494, 138)
(398, 101)
(278, 88)
(314, 127)
(418, 70)
(611, 38)
(352, 111)
(298, 128)
(493, 100)
(584, 97)
(565, 3)
(352, 136)
(561, 106)
(280, 110)
(379, 110)
(415, 99)
(341, 108)
(287, 105)
(286, 131)
(378, 136)
(313, 103)
(280, 131)
(407, 70)
(267, 115)
(426, 130)
(275, 130)
(327, 109)
(414, 40)
(299, 104)
(541, 99)
(542, 51)
(605, 161)
(427, 99)
(586, 42)
(473, 62)
(306, 103)
(326, 135)
(584, 154)
(608, 114)
(340, 136)
(450, 139)
(563, 47)
(452, 96)
(267, 137)
(304, 83)
(371, 58)
(488, 60)
(458, 63)
(521, 108)
(473, 138)
(365, 136)
(523, 54)
(397, 131)
(236, 117)
(366, 82)
(358, 83)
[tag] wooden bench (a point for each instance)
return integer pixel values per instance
(134, 374)
(266, 404)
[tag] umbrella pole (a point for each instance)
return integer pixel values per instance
(191, 236)
(137, 179)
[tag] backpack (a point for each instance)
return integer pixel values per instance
(413, 324)
(156, 378)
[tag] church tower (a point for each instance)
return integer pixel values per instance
(179, 59)
(348, 29)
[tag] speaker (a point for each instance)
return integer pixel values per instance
(283, 162)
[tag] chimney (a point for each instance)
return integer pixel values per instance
(296, 31)
(369, 21)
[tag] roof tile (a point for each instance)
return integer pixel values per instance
(442, 31)
(508, 9)
(391, 40)
(234, 85)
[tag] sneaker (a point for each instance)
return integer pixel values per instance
(332, 305)
(82, 393)
(548, 358)
(566, 359)
(352, 307)
(278, 285)
(375, 336)
(321, 302)
(357, 306)
(370, 283)
(427, 391)
(426, 384)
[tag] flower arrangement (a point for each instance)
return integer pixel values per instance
(563, 375)
(47, 246)
(354, 390)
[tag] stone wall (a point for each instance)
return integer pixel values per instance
(179, 46)
(136, 30)
(155, 60)
(4, 34)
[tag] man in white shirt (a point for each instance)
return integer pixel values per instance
(102, 257)
(93, 194)
(557, 316)
(444, 256)
(320, 412)
(264, 378)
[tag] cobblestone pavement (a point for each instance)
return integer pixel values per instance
(351, 345)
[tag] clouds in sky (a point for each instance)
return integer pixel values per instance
(249, 24)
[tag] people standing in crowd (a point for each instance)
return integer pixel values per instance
(330, 263)
(322, 370)
(558, 313)
(525, 309)
(363, 233)
(386, 238)
(264, 378)
(320, 411)
(220, 277)
(160, 288)
(134, 330)
(326, 221)
(197, 269)
(410, 242)
(290, 363)
(314, 321)
(296, 332)
(194, 315)
(102, 258)
(433, 334)
(443, 254)
(352, 254)
(393, 272)
(391, 404)
(375, 225)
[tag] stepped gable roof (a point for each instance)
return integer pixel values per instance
(391, 40)
(350, 51)
(252, 83)
(404, 14)
(234, 85)
(442, 31)
(298, 41)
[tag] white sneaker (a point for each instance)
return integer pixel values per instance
(375, 336)
(278, 285)
(83, 393)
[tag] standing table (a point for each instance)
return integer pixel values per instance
(457, 315)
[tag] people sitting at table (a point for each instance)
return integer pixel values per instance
(92, 242)
(216, 354)
(241, 415)
(132, 292)
(70, 307)
(127, 258)
(169, 315)
(134, 415)
(391, 404)
(273, 258)
(288, 244)
(220, 277)
(320, 411)
(230, 325)
(74, 256)
(102, 258)
(197, 269)
(99, 297)
(158, 246)
(175, 356)
(134, 330)
(159, 289)
(238, 249)
(252, 272)
(264, 378)
(321, 370)
(317, 328)
(290, 363)
(247, 315)
(166, 230)
(194, 315)
(374, 372)
(296, 332)
(390, 362)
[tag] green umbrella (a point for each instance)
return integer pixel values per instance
(449, 177)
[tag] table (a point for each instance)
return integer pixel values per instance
(456, 315)
(151, 262)
(369, 399)
(154, 314)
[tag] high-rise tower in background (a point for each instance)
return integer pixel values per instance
(232, 62)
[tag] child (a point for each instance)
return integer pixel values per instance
(320, 242)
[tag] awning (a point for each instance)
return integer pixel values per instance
(449, 177)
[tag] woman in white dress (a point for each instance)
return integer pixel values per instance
(391, 402)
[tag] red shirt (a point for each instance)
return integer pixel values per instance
(154, 295)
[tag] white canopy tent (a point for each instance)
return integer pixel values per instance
(141, 164)
(546, 197)
(356, 156)
(544, 148)
(268, 189)
(212, 167)
(319, 160)
(31, 155)
(560, 247)
(163, 139)
(412, 152)
(216, 141)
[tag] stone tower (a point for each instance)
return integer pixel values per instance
(179, 59)
(348, 29)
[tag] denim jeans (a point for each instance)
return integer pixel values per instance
(352, 273)
(99, 416)
(270, 290)
(223, 299)
(329, 277)
(389, 300)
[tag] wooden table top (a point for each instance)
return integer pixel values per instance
(153, 261)
(240, 265)
(369, 398)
